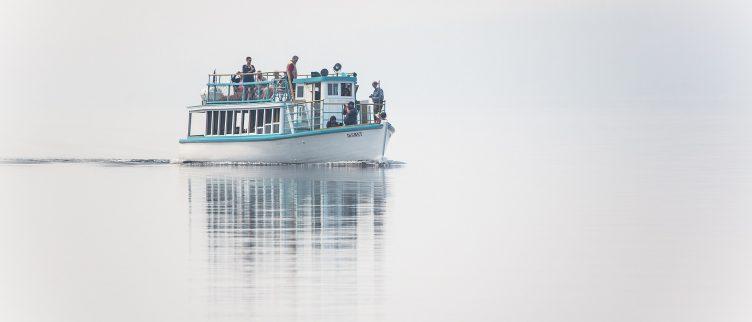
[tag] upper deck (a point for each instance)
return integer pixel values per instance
(275, 87)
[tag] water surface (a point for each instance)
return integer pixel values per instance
(630, 215)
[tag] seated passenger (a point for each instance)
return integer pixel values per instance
(262, 91)
(237, 89)
(282, 84)
(351, 114)
(333, 122)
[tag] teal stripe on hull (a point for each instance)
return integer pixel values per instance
(272, 137)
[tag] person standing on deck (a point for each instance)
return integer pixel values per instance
(377, 97)
(248, 68)
(351, 114)
(292, 73)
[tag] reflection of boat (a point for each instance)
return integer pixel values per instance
(286, 240)
(268, 124)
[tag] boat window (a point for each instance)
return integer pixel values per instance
(197, 124)
(208, 122)
(215, 122)
(331, 89)
(260, 121)
(222, 122)
(229, 124)
(243, 121)
(238, 122)
(275, 121)
(299, 91)
(251, 121)
(346, 89)
(268, 120)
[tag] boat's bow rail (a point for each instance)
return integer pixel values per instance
(258, 87)
(309, 116)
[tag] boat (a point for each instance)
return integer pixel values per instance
(275, 120)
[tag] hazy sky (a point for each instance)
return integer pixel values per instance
(112, 79)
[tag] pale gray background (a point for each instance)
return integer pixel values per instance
(567, 160)
(111, 79)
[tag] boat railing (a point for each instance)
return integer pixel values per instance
(367, 112)
(314, 115)
(302, 117)
(266, 87)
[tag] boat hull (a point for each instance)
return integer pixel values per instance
(351, 143)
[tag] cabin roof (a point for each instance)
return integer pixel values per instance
(308, 80)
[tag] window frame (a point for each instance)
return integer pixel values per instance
(332, 89)
(342, 89)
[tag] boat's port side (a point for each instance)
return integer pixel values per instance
(347, 143)
(272, 137)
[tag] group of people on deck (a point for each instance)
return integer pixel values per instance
(249, 74)
(265, 90)
(350, 111)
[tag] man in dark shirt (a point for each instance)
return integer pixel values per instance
(351, 114)
(247, 78)
(377, 97)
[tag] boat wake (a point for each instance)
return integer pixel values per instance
(90, 161)
(356, 164)
(127, 162)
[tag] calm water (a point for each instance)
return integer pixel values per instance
(617, 217)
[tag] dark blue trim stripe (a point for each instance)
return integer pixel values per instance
(272, 137)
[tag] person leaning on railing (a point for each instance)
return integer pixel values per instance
(377, 97)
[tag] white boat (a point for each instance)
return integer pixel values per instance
(262, 122)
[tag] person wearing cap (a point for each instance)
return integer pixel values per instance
(351, 114)
(248, 77)
(377, 97)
